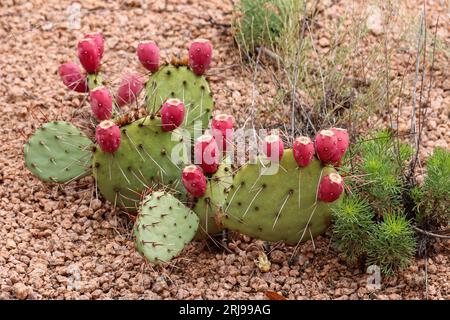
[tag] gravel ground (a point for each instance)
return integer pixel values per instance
(59, 244)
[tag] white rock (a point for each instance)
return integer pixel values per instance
(375, 20)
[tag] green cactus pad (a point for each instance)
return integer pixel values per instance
(142, 161)
(212, 202)
(94, 80)
(164, 226)
(180, 82)
(279, 207)
(58, 152)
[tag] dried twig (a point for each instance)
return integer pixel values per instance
(416, 79)
(428, 233)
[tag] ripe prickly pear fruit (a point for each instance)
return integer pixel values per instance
(107, 135)
(73, 78)
(222, 129)
(89, 55)
(200, 55)
(206, 153)
(326, 145)
(172, 114)
(194, 180)
(129, 88)
(303, 149)
(341, 144)
(330, 187)
(273, 147)
(148, 55)
(101, 103)
(99, 41)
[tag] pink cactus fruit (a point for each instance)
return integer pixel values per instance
(326, 145)
(99, 41)
(330, 188)
(101, 103)
(194, 180)
(107, 135)
(129, 88)
(73, 78)
(172, 114)
(341, 144)
(200, 55)
(88, 55)
(206, 153)
(303, 149)
(148, 55)
(222, 126)
(273, 147)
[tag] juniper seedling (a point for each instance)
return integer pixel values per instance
(392, 244)
(353, 223)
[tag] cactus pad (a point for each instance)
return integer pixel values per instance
(58, 152)
(142, 160)
(180, 82)
(212, 202)
(163, 227)
(280, 207)
(94, 80)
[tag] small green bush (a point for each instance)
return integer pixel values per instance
(353, 224)
(383, 163)
(391, 245)
(261, 23)
(379, 228)
(433, 198)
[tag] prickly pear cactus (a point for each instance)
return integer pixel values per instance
(142, 160)
(279, 207)
(181, 83)
(163, 227)
(58, 152)
(208, 206)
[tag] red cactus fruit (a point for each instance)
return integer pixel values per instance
(200, 55)
(206, 153)
(330, 188)
(101, 103)
(107, 135)
(89, 55)
(148, 55)
(303, 149)
(72, 77)
(273, 147)
(326, 145)
(99, 41)
(129, 88)
(172, 114)
(222, 129)
(341, 144)
(194, 180)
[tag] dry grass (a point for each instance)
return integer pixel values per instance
(336, 73)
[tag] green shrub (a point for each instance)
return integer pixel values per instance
(391, 245)
(377, 228)
(353, 224)
(382, 163)
(433, 198)
(260, 23)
